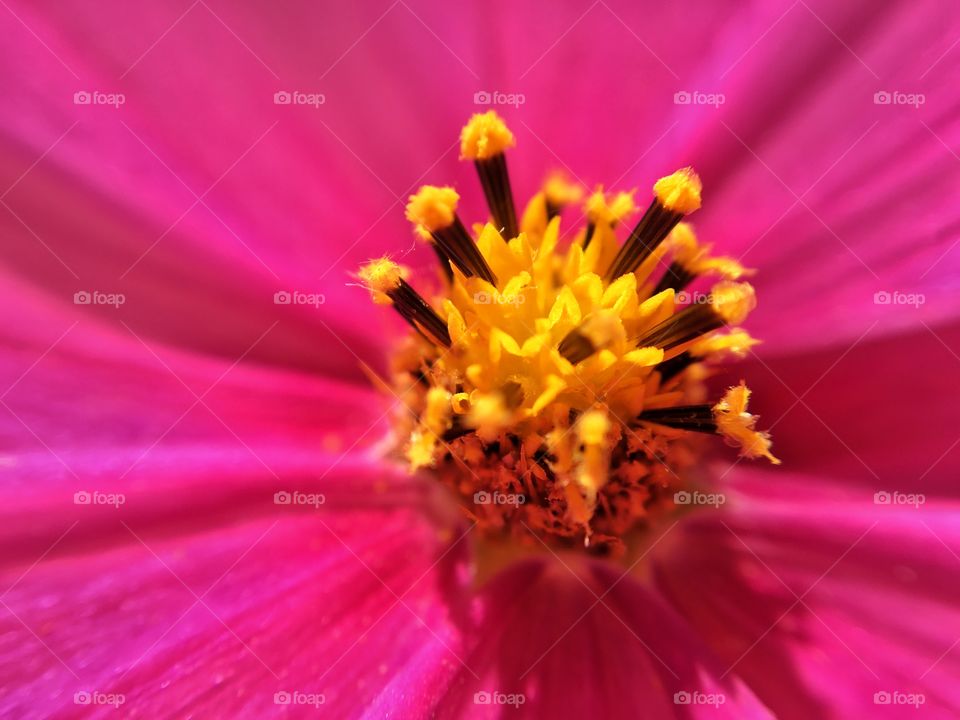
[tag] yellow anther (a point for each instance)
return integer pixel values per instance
(380, 277)
(733, 301)
(484, 136)
(737, 342)
(737, 425)
(599, 210)
(433, 208)
(679, 192)
(560, 192)
(489, 415)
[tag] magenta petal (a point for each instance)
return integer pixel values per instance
(879, 412)
(93, 411)
(540, 632)
(818, 597)
(216, 623)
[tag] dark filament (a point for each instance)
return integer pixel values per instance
(496, 187)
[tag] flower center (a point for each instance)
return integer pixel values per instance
(557, 388)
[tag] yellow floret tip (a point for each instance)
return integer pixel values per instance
(679, 192)
(382, 275)
(433, 208)
(733, 301)
(484, 136)
(593, 428)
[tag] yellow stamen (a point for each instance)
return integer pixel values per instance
(484, 136)
(733, 301)
(737, 425)
(567, 373)
(560, 192)
(433, 208)
(380, 277)
(679, 192)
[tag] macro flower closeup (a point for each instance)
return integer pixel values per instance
(482, 359)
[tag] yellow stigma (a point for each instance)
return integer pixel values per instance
(737, 425)
(696, 259)
(380, 277)
(560, 365)
(737, 343)
(599, 210)
(733, 301)
(560, 192)
(433, 208)
(679, 192)
(484, 136)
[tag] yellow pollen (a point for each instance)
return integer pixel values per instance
(733, 301)
(558, 370)
(560, 192)
(737, 343)
(380, 277)
(433, 208)
(679, 192)
(484, 136)
(599, 210)
(737, 425)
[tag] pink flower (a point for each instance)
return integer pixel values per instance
(198, 517)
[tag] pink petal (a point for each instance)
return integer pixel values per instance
(214, 623)
(818, 598)
(542, 633)
(90, 410)
(878, 413)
